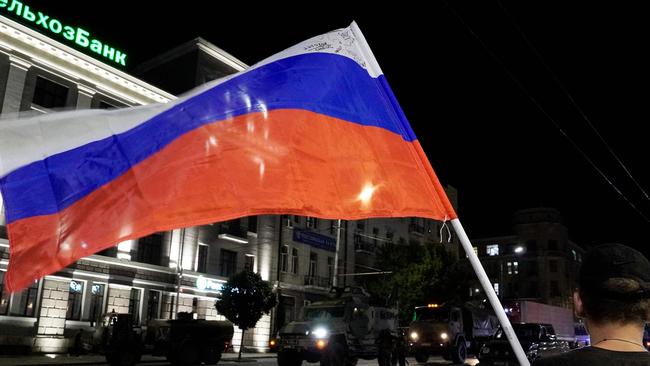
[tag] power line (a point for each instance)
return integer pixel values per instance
(541, 109)
(570, 97)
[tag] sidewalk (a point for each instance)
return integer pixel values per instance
(62, 359)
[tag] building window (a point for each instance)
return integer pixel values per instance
(575, 256)
(496, 287)
(294, 261)
(74, 300)
(492, 250)
(153, 305)
(252, 224)
(311, 222)
(552, 245)
(555, 289)
(49, 94)
(296, 219)
(96, 302)
(4, 295)
(313, 263)
(104, 105)
(361, 225)
(149, 249)
(25, 301)
(228, 263)
(509, 265)
(202, 263)
(389, 234)
(330, 269)
(134, 305)
(195, 304)
(249, 262)
(284, 259)
(552, 266)
(515, 267)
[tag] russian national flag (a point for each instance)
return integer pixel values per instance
(314, 130)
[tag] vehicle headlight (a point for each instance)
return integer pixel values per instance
(443, 335)
(320, 333)
(414, 336)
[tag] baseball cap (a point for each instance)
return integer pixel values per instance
(613, 260)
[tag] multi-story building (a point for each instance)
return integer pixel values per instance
(538, 261)
(181, 270)
(38, 74)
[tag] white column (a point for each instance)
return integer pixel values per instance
(190, 247)
(15, 84)
(84, 97)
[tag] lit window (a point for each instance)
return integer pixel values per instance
(492, 250)
(509, 265)
(284, 259)
(575, 256)
(496, 288)
(74, 300)
(294, 261)
(515, 267)
(96, 301)
(249, 262)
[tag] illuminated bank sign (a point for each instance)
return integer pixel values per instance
(76, 35)
(203, 283)
(314, 239)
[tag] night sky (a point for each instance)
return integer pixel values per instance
(482, 133)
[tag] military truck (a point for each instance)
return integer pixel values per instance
(339, 331)
(184, 341)
(450, 330)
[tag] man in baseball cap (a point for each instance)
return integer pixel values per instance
(614, 298)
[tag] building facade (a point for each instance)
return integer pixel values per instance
(537, 262)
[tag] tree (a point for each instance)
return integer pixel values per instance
(243, 300)
(421, 274)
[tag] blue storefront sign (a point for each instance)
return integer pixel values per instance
(314, 239)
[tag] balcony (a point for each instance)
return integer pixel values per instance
(362, 246)
(318, 281)
(233, 229)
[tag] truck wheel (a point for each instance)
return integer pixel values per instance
(422, 357)
(336, 354)
(124, 358)
(210, 355)
(187, 355)
(459, 353)
(289, 359)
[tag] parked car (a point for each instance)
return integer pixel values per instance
(537, 340)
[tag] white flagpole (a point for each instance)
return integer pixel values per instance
(473, 258)
(491, 295)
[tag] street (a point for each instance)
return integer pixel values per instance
(272, 361)
(229, 359)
